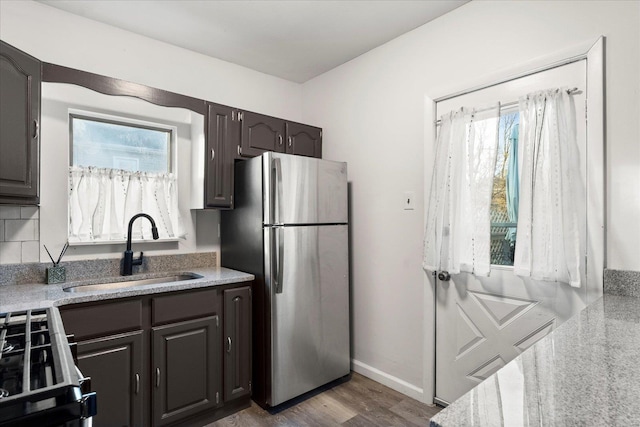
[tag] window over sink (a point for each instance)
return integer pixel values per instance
(120, 166)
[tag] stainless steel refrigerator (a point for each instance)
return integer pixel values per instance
(289, 228)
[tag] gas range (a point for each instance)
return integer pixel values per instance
(39, 382)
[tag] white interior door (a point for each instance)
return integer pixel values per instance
(483, 323)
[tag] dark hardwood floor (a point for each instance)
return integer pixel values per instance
(357, 402)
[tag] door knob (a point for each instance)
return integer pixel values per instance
(444, 276)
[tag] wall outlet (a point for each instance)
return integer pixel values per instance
(409, 200)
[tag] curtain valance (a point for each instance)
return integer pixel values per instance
(102, 200)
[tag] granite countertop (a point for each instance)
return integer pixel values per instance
(28, 296)
(586, 372)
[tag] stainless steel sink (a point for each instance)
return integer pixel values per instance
(131, 283)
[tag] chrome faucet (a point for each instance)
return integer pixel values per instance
(129, 262)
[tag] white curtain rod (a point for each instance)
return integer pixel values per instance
(508, 105)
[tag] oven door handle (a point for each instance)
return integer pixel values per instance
(89, 400)
(85, 382)
(89, 404)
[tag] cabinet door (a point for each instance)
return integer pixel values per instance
(237, 332)
(115, 365)
(260, 133)
(186, 369)
(222, 141)
(304, 140)
(19, 121)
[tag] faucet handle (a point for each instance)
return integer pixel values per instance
(138, 261)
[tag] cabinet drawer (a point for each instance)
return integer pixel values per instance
(184, 305)
(102, 319)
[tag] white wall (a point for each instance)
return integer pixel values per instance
(57, 101)
(58, 37)
(55, 36)
(373, 113)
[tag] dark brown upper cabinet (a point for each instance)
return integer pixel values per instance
(303, 140)
(259, 134)
(237, 135)
(221, 141)
(20, 78)
(230, 134)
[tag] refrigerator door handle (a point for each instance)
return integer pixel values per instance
(279, 258)
(276, 195)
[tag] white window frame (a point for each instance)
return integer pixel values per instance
(123, 119)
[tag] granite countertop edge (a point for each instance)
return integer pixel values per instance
(33, 296)
(611, 321)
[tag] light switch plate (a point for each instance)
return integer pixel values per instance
(409, 200)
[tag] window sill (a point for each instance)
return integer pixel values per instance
(121, 242)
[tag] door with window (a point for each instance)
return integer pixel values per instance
(484, 322)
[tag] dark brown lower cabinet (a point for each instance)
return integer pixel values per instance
(186, 374)
(237, 354)
(157, 360)
(117, 368)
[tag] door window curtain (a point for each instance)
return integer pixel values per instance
(458, 227)
(102, 201)
(548, 240)
(512, 183)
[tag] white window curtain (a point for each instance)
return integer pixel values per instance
(102, 201)
(548, 240)
(458, 227)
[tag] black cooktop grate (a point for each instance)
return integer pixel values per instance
(35, 359)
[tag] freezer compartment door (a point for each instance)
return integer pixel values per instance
(309, 308)
(303, 190)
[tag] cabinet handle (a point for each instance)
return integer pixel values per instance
(213, 154)
(239, 150)
(157, 377)
(279, 139)
(137, 389)
(290, 141)
(36, 128)
(228, 344)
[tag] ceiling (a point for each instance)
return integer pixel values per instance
(294, 40)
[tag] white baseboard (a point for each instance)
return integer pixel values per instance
(388, 380)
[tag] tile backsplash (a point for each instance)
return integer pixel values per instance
(19, 234)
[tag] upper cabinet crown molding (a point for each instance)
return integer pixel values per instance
(111, 86)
